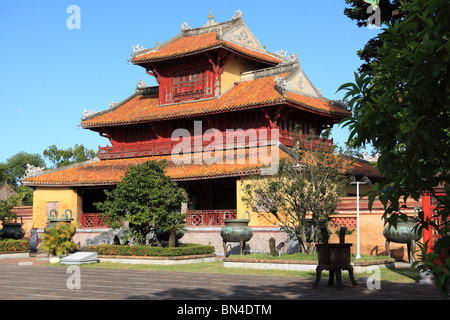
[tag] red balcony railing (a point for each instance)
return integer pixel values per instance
(91, 220)
(204, 218)
(230, 140)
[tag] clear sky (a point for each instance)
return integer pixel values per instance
(49, 74)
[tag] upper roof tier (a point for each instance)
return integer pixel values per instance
(260, 88)
(232, 35)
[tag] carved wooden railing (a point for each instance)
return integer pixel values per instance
(91, 220)
(204, 218)
(244, 138)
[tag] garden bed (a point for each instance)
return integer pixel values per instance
(12, 245)
(187, 253)
(11, 248)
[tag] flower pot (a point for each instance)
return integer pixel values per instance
(54, 259)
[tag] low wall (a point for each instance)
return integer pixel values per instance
(297, 265)
(80, 237)
(258, 243)
(158, 260)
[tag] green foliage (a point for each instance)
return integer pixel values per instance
(14, 169)
(6, 207)
(304, 193)
(173, 223)
(401, 107)
(64, 157)
(390, 13)
(58, 239)
(13, 245)
(151, 251)
(146, 198)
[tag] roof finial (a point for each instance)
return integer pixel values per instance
(210, 22)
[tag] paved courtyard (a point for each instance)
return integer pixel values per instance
(20, 280)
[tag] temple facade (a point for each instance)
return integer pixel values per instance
(222, 113)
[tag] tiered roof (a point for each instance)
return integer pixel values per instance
(281, 82)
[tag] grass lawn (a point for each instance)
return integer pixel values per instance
(395, 275)
(301, 256)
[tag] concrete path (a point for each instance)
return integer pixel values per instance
(19, 279)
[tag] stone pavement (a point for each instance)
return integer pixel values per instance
(30, 279)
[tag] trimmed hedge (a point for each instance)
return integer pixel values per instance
(13, 245)
(150, 251)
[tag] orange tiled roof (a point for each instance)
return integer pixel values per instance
(109, 172)
(246, 94)
(189, 45)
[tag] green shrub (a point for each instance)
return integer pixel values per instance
(151, 251)
(13, 245)
(57, 240)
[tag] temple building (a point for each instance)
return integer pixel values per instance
(223, 110)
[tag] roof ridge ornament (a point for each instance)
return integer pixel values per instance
(32, 171)
(137, 48)
(237, 15)
(281, 53)
(293, 57)
(281, 85)
(210, 22)
(141, 85)
(87, 113)
(185, 26)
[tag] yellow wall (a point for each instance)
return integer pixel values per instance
(67, 198)
(255, 219)
(234, 66)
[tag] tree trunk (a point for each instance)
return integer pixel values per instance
(172, 239)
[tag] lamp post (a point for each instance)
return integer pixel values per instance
(364, 180)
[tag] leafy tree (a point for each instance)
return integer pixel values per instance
(14, 169)
(6, 206)
(390, 13)
(302, 196)
(64, 157)
(401, 107)
(146, 198)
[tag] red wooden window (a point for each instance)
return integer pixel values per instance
(186, 85)
(189, 85)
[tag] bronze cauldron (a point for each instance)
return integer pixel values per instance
(12, 230)
(53, 219)
(236, 230)
(403, 233)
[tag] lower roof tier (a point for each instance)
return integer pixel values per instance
(194, 166)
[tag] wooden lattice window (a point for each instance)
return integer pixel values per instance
(189, 85)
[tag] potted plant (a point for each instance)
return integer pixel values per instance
(58, 241)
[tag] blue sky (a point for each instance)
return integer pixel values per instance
(49, 74)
